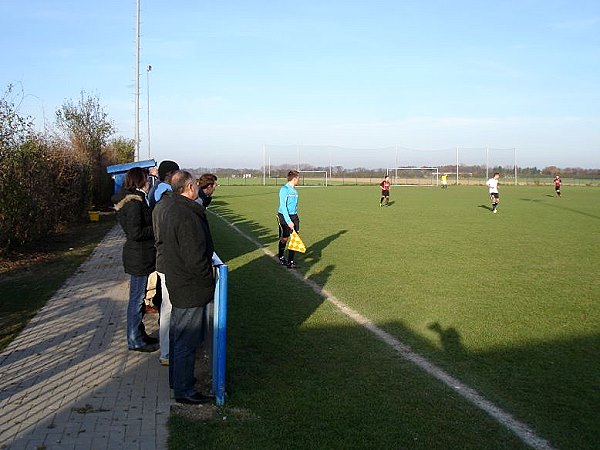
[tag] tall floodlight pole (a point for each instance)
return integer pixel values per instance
(515, 159)
(264, 165)
(148, 69)
(396, 164)
(137, 82)
(487, 162)
(457, 165)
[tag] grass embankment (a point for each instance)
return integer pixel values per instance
(30, 275)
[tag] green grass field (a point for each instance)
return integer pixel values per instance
(507, 303)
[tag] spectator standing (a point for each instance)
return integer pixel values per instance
(185, 250)
(139, 254)
(207, 184)
(153, 177)
(165, 170)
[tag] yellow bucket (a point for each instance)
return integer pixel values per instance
(94, 216)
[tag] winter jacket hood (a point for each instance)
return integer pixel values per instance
(139, 254)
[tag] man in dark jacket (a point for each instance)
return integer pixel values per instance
(185, 248)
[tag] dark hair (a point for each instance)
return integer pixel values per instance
(206, 180)
(292, 174)
(135, 178)
(496, 173)
(166, 169)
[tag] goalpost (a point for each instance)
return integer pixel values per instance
(313, 178)
(414, 176)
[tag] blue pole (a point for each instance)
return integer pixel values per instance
(220, 335)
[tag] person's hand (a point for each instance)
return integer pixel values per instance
(291, 225)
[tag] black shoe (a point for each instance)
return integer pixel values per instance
(150, 340)
(148, 348)
(195, 399)
(292, 265)
(283, 261)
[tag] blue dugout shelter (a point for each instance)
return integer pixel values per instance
(118, 171)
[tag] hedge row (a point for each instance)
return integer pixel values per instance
(41, 186)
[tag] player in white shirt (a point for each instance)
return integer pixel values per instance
(492, 185)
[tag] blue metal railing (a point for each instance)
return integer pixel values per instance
(219, 330)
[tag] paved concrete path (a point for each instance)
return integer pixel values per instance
(69, 382)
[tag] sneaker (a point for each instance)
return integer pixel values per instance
(163, 362)
(495, 211)
(283, 261)
(292, 265)
(380, 205)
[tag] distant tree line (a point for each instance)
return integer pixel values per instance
(476, 171)
(54, 176)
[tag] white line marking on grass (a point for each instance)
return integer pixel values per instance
(524, 432)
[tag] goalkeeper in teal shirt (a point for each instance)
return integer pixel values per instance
(287, 216)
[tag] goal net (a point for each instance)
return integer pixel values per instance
(414, 176)
(313, 178)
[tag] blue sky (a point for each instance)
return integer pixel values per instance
(230, 77)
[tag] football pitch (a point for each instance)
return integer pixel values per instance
(506, 303)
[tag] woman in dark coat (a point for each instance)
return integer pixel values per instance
(139, 253)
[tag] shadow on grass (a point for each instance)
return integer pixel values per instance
(314, 252)
(561, 206)
(219, 202)
(309, 374)
(251, 227)
(261, 234)
(489, 208)
(296, 360)
(449, 338)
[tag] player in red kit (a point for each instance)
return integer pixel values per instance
(385, 191)
(557, 184)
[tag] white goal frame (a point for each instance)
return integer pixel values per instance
(393, 174)
(325, 179)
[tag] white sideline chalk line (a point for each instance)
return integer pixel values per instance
(523, 431)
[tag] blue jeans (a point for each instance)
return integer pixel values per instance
(135, 311)
(185, 336)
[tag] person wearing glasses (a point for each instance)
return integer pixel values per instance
(184, 248)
